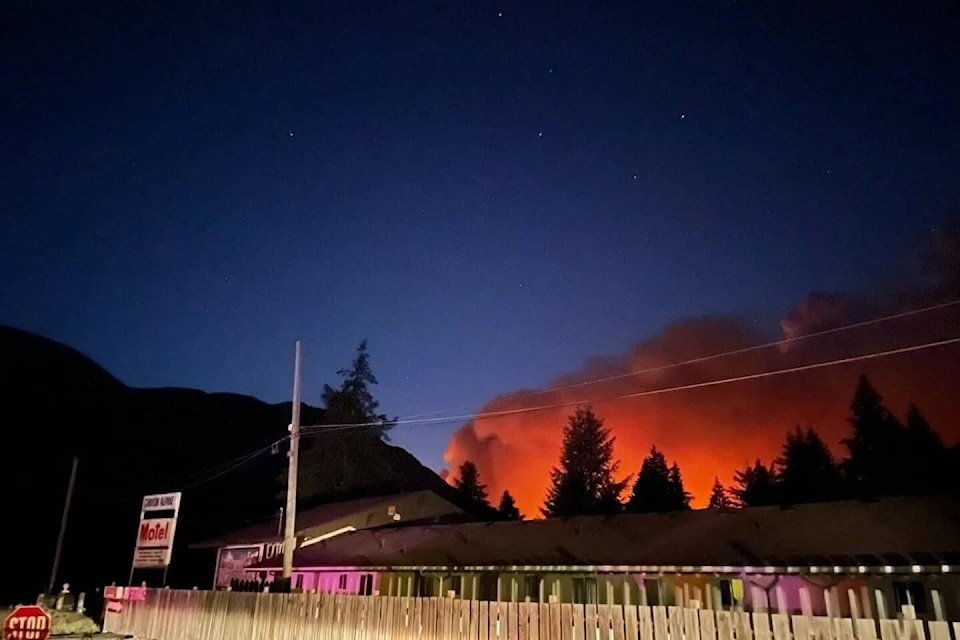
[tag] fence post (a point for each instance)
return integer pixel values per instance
(854, 605)
(937, 604)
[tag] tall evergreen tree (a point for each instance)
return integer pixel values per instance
(808, 472)
(658, 487)
(921, 435)
(679, 498)
(584, 481)
(718, 496)
(652, 489)
(323, 470)
(352, 402)
(757, 485)
(925, 456)
(508, 507)
(468, 485)
(876, 447)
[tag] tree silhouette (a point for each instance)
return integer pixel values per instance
(584, 483)
(808, 472)
(352, 402)
(508, 508)
(718, 496)
(651, 491)
(926, 456)
(468, 486)
(757, 485)
(658, 487)
(679, 498)
(876, 447)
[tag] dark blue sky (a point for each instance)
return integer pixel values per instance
(488, 192)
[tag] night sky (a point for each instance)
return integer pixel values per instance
(490, 193)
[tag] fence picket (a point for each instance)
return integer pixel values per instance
(631, 622)
(513, 630)
(708, 625)
(579, 624)
(566, 621)
(604, 628)
(196, 615)
(483, 624)
(618, 623)
(543, 617)
(661, 629)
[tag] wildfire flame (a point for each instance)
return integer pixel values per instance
(712, 431)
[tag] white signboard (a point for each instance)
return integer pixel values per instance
(156, 531)
(161, 502)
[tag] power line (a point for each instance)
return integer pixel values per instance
(231, 461)
(234, 464)
(673, 365)
(709, 383)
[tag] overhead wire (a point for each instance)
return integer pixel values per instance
(708, 383)
(672, 365)
(234, 464)
(423, 419)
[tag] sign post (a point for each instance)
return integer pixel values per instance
(26, 623)
(158, 524)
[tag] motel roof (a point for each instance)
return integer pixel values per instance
(883, 535)
(360, 513)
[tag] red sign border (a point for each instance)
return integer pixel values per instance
(15, 614)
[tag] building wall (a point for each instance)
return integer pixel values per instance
(821, 595)
(349, 582)
(417, 505)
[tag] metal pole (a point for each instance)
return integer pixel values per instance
(63, 525)
(290, 532)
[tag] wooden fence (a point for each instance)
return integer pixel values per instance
(225, 615)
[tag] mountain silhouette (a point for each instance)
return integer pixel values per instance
(57, 404)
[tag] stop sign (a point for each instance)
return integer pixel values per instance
(26, 623)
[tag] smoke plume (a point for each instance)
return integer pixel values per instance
(713, 430)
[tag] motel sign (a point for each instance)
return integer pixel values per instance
(158, 524)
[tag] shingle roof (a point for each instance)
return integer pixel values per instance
(307, 519)
(899, 531)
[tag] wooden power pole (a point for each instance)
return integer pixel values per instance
(290, 531)
(63, 525)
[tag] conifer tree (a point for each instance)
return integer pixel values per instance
(757, 486)
(876, 447)
(679, 498)
(652, 489)
(718, 496)
(468, 486)
(584, 482)
(658, 487)
(808, 472)
(508, 507)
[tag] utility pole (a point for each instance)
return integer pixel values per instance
(63, 525)
(290, 532)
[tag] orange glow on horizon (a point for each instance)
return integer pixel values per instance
(713, 431)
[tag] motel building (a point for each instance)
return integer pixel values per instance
(238, 550)
(850, 559)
